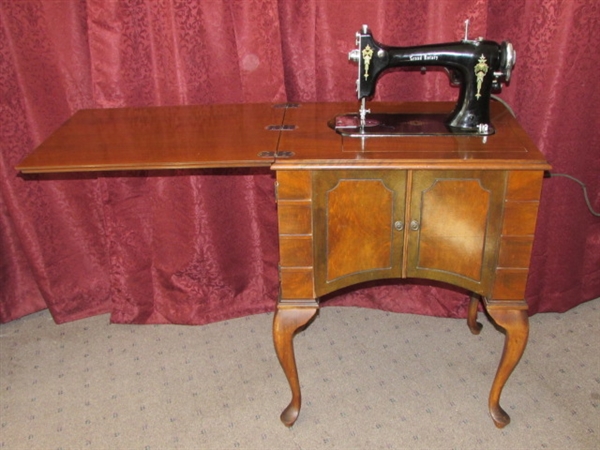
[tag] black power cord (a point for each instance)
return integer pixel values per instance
(583, 186)
(550, 174)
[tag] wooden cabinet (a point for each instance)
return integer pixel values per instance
(468, 228)
(457, 209)
(461, 210)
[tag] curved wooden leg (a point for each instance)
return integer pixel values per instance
(474, 326)
(516, 324)
(287, 322)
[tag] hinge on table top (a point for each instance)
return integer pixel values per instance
(282, 154)
(281, 127)
(286, 105)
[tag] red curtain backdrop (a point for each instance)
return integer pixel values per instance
(193, 247)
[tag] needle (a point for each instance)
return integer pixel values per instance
(363, 113)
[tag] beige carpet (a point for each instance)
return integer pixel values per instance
(370, 380)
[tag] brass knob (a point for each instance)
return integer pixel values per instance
(414, 225)
(399, 225)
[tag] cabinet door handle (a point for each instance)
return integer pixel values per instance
(414, 225)
(399, 225)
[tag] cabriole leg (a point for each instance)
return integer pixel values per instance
(516, 324)
(474, 326)
(287, 322)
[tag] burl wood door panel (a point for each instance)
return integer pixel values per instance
(358, 222)
(453, 227)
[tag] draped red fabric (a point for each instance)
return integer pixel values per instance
(193, 247)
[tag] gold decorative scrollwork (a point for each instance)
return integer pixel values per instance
(481, 68)
(367, 54)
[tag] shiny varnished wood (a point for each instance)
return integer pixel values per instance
(464, 205)
(295, 212)
(315, 145)
(456, 213)
(170, 137)
(474, 326)
(515, 322)
(458, 209)
(357, 214)
(234, 135)
(518, 227)
(354, 206)
(473, 203)
(286, 323)
(363, 218)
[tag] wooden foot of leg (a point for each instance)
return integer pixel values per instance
(286, 323)
(516, 324)
(474, 326)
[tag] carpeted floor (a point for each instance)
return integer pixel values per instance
(370, 380)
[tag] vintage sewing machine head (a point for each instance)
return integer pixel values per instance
(478, 67)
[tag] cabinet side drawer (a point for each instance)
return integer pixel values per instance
(296, 251)
(523, 185)
(294, 211)
(294, 217)
(515, 251)
(518, 228)
(510, 284)
(296, 283)
(519, 218)
(294, 185)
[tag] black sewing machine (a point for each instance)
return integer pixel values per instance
(477, 66)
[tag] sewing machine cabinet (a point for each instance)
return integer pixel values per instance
(456, 209)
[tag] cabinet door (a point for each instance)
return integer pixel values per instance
(358, 226)
(453, 226)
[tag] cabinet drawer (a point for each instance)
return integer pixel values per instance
(294, 217)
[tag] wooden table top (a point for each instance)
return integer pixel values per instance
(208, 136)
(166, 137)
